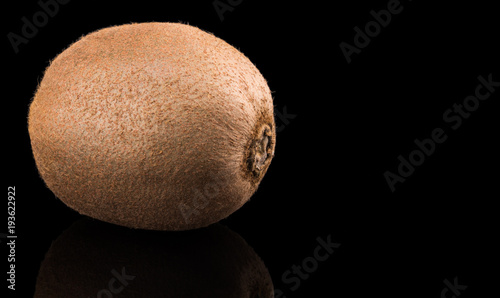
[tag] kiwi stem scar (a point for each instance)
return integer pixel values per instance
(261, 150)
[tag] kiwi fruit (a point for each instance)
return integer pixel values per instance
(158, 126)
(96, 259)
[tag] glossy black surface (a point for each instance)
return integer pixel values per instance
(324, 221)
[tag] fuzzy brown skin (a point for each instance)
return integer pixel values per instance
(153, 126)
(209, 262)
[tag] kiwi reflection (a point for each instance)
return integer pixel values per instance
(96, 259)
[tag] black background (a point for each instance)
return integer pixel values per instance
(352, 121)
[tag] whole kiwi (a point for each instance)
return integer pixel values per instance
(97, 259)
(157, 126)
